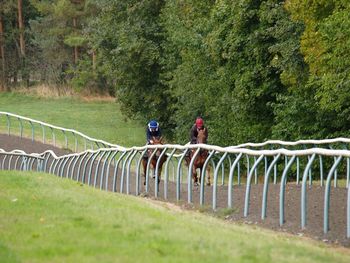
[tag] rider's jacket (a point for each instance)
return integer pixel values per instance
(150, 134)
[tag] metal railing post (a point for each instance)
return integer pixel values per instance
(303, 191)
(166, 173)
(247, 192)
(266, 186)
(215, 183)
(327, 195)
(178, 175)
(230, 181)
(283, 188)
(157, 177)
(203, 175)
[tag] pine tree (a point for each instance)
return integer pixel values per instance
(2, 56)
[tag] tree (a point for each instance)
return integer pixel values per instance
(127, 36)
(2, 55)
(9, 43)
(58, 36)
(324, 44)
(187, 70)
(21, 29)
(22, 45)
(228, 61)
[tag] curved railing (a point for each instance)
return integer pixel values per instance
(302, 143)
(96, 143)
(42, 127)
(92, 142)
(19, 160)
(112, 167)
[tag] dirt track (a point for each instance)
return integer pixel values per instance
(337, 233)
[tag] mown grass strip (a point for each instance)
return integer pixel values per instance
(48, 219)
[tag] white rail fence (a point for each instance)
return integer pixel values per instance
(116, 168)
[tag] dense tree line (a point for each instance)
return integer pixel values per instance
(253, 69)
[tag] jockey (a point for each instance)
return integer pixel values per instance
(153, 130)
(199, 125)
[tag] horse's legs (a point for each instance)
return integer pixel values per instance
(153, 165)
(208, 175)
(200, 175)
(187, 160)
(144, 164)
(194, 174)
(160, 170)
(159, 174)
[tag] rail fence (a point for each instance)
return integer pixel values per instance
(118, 169)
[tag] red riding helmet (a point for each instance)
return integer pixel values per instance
(199, 122)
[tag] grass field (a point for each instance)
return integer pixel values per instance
(98, 119)
(48, 219)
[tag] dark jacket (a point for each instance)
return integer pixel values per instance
(150, 134)
(194, 134)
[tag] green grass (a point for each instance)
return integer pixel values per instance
(100, 120)
(48, 219)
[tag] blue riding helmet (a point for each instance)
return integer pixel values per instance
(153, 125)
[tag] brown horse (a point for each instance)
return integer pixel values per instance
(200, 159)
(154, 160)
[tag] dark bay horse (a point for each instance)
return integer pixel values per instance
(200, 159)
(153, 163)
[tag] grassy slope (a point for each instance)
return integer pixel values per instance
(101, 120)
(49, 219)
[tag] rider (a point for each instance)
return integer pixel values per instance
(153, 130)
(199, 125)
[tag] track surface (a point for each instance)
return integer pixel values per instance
(314, 229)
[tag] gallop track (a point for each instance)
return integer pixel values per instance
(337, 216)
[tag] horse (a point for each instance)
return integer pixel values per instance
(200, 159)
(153, 163)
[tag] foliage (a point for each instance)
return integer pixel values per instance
(127, 35)
(230, 65)
(187, 69)
(54, 35)
(16, 67)
(253, 69)
(320, 105)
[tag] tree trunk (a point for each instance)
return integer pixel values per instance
(21, 29)
(93, 60)
(76, 51)
(24, 71)
(2, 55)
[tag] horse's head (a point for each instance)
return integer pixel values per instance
(157, 141)
(156, 162)
(202, 136)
